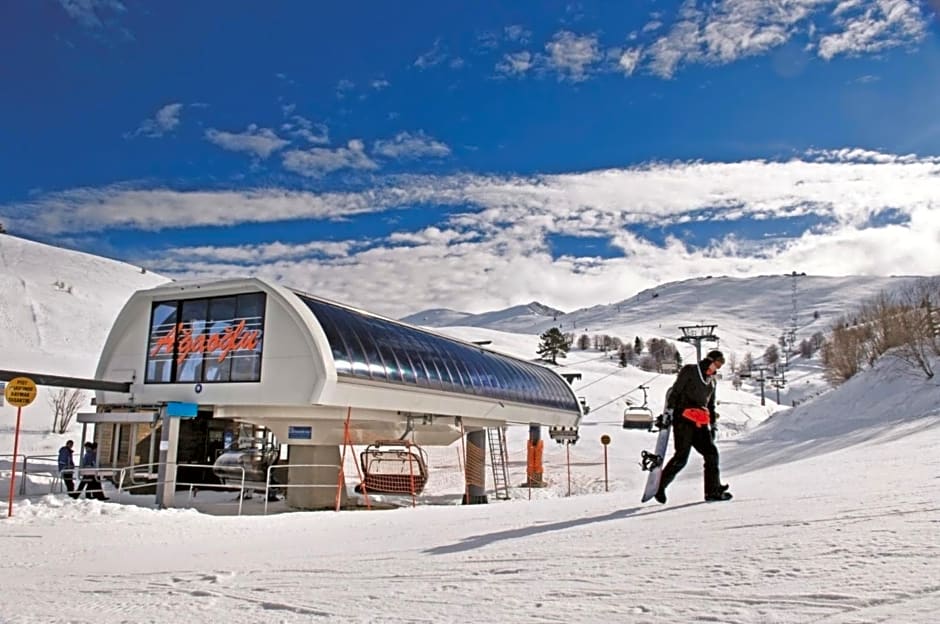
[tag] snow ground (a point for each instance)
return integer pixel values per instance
(840, 525)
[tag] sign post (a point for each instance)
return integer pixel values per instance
(21, 391)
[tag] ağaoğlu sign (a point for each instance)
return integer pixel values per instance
(219, 344)
(215, 339)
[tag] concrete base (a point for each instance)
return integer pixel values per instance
(322, 476)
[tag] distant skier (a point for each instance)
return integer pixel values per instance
(692, 401)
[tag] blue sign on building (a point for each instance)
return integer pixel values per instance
(176, 409)
(299, 433)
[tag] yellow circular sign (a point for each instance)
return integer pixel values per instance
(20, 392)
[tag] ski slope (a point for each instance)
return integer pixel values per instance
(846, 533)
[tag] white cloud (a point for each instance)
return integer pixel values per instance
(319, 161)
(343, 87)
(88, 12)
(435, 56)
(728, 31)
(166, 119)
(409, 146)
(517, 33)
(257, 254)
(379, 84)
(299, 126)
(499, 239)
(873, 26)
(515, 63)
(629, 60)
(725, 31)
(262, 142)
(572, 55)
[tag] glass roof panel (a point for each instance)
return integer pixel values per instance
(383, 350)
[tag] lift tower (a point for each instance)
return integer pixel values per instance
(695, 334)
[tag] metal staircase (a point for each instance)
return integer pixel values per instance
(499, 460)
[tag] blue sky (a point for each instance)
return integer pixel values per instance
(483, 154)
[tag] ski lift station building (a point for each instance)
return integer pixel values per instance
(304, 368)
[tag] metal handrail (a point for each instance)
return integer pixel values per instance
(132, 468)
(54, 474)
(125, 469)
(241, 489)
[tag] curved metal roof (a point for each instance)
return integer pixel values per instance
(369, 347)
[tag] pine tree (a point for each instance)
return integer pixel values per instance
(553, 345)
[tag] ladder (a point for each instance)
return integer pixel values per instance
(496, 436)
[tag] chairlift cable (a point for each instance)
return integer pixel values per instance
(631, 391)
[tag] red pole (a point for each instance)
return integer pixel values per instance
(16, 448)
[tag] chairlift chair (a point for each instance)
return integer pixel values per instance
(393, 467)
(639, 417)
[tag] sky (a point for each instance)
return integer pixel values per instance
(857, 546)
(572, 155)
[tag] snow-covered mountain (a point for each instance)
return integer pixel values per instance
(520, 318)
(57, 306)
(759, 302)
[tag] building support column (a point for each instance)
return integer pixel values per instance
(314, 475)
(475, 468)
(166, 475)
(534, 470)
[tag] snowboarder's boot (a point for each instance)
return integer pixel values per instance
(718, 496)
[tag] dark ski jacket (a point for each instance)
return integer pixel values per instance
(65, 459)
(693, 388)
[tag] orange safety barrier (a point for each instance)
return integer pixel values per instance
(341, 476)
(476, 466)
(534, 469)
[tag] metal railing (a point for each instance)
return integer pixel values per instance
(241, 489)
(150, 474)
(52, 472)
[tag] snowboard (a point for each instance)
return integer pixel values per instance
(654, 461)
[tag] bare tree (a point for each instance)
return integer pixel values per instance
(771, 355)
(846, 351)
(65, 404)
(732, 362)
(584, 342)
(915, 326)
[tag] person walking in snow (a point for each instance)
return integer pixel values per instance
(67, 468)
(89, 472)
(692, 401)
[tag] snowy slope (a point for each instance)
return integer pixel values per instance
(57, 306)
(518, 318)
(437, 317)
(56, 309)
(857, 546)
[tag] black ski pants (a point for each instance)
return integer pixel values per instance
(687, 435)
(69, 482)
